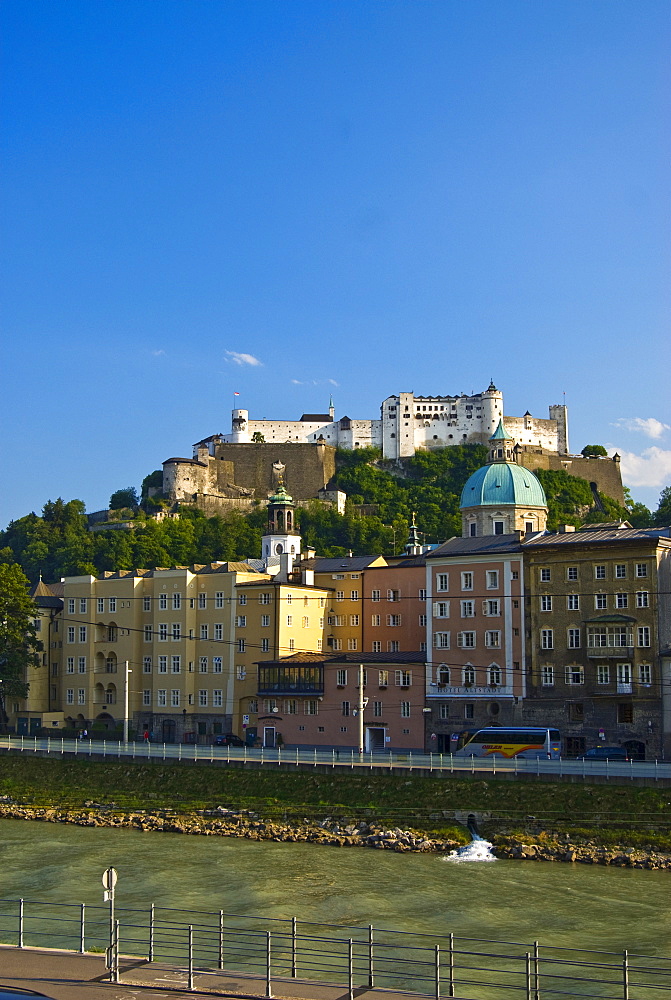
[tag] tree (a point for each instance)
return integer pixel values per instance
(594, 451)
(124, 498)
(662, 517)
(154, 481)
(258, 438)
(19, 644)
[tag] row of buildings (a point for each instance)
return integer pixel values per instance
(508, 624)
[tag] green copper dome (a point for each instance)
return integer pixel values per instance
(503, 483)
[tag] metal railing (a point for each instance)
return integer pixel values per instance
(207, 945)
(345, 758)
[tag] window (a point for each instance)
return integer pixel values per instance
(174, 698)
(642, 599)
(394, 620)
(641, 569)
(393, 646)
(572, 573)
(216, 664)
(146, 697)
(82, 633)
(469, 710)
(240, 645)
(291, 707)
(82, 605)
(336, 645)
(81, 664)
(468, 609)
(264, 598)
(422, 594)
(573, 602)
(290, 598)
(162, 632)
(494, 676)
(405, 709)
(341, 678)
(354, 620)
(573, 638)
(242, 600)
(382, 678)
(443, 581)
(176, 664)
(375, 620)
(344, 708)
(546, 602)
(101, 605)
(377, 709)
(375, 595)
(599, 572)
(620, 571)
(492, 579)
(600, 602)
(493, 639)
(202, 698)
(311, 707)
(393, 595)
(218, 632)
(253, 706)
(624, 673)
(441, 640)
(217, 698)
(576, 711)
(354, 576)
(575, 674)
(202, 665)
(148, 633)
(81, 696)
(70, 665)
(499, 527)
(176, 602)
(163, 664)
(202, 601)
(422, 621)
(376, 646)
(203, 631)
(545, 576)
(466, 640)
(176, 631)
(352, 644)
(444, 711)
(468, 674)
(354, 595)
(441, 609)
(319, 645)
(547, 638)
(403, 678)
(643, 633)
(265, 645)
(292, 645)
(305, 621)
(515, 574)
(340, 595)
(443, 674)
(161, 697)
(625, 713)
(241, 621)
(71, 633)
(621, 600)
(467, 581)
(473, 529)
(603, 673)
(645, 674)
(492, 609)
(547, 676)
(219, 599)
(162, 602)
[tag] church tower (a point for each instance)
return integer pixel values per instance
(502, 497)
(280, 536)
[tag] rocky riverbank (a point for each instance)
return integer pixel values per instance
(223, 822)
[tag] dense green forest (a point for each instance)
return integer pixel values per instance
(59, 543)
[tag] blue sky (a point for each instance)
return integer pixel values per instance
(287, 199)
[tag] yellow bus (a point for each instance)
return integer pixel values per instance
(512, 741)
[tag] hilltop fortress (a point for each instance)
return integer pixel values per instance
(237, 468)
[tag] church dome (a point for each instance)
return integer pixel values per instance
(503, 483)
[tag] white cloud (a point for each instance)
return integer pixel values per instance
(157, 354)
(243, 359)
(315, 381)
(651, 468)
(650, 426)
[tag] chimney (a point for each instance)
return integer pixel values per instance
(565, 529)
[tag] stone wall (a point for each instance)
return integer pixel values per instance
(605, 472)
(308, 467)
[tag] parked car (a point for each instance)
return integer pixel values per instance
(229, 740)
(604, 753)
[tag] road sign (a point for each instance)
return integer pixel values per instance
(110, 878)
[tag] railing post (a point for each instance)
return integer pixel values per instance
(151, 933)
(190, 986)
(437, 971)
(451, 961)
(537, 974)
(293, 947)
(625, 974)
(82, 925)
(221, 939)
(21, 923)
(371, 971)
(527, 959)
(269, 991)
(350, 968)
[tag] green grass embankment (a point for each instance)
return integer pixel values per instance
(609, 814)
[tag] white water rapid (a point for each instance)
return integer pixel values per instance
(477, 850)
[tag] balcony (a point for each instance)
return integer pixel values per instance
(625, 687)
(610, 652)
(307, 680)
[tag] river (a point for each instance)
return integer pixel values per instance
(558, 904)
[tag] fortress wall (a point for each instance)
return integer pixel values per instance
(602, 471)
(308, 467)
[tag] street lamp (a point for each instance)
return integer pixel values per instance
(127, 671)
